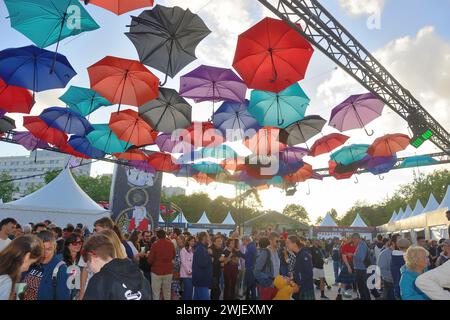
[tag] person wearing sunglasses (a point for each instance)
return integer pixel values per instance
(71, 255)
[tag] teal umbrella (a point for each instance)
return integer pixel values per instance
(417, 161)
(104, 139)
(220, 152)
(46, 22)
(279, 109)
(207, 167)
(350, 154)
(83, 101)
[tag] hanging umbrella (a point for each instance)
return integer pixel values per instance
(352, 167)
(303, 130)
(380, 165)
(15, 99)
(207, 167)
(120, 7)
(328, 143)
(234, 120)
(7, 124)
(2, 112)
(166, 142)
(83, 101)
(163, 162)
(203, 178)
(29, 141)
(279, 109)
(66, 120)
(265, 142)
(272, 56)
(220, 152)
(301, 175)
(129, 127)
(142, 165)
(166, 38)
(123, 81)
(286, 168)
(356, 112)
(185, 171)
(30, 67)
(68, 149)
(417, 161)
(389, 145)
(82, 145)
(262, 166)
(104, 139)
(349, 154)
(132, 154)
(214, 84)
(41, 130)
(293, 154)
(233, 164)
(203, 134)
(168, 112)
(339, 176)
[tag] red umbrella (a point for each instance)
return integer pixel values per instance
(67, 148)
(203, 178)
(338, 176)
(121, 6)
(328, 143)
(132, 155)
(389, 145)
(265, 142)
(271, 56)
(15, 99)
(123, 81)
(203, 134)
(163, 162)
(233, 164)
(129, 127)
(41, 130)
(301, 175)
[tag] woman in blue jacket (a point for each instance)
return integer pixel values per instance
(416, 263)
(201, 268)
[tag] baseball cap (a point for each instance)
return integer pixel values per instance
(403, 243)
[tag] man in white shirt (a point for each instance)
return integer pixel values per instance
(435, 283)
(7, 229)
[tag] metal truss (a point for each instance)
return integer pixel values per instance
(314, 22)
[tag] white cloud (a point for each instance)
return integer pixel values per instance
(362, 8)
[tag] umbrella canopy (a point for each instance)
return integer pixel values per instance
(303, 130)
(83, 101)
(356, 112)
(120, 6)
(43, 131)
(301, 175)
(293, 154)
(104, 139)
(203, 134)
(328, 143)
(2, 112)
(46, 22)
(207, 167)
(31, 68)
(168, 112)
(66, 120)
(389, 145)
(380, 165)
(142, 165)
(215, 84)
(417, 161)
(349, 154)
(337, 175)
(185, 171)
(166, 38)
(234, 120)
(28, 141)
(15, 99)
(219, 152)
(163, 162)
(6, 124)
(129, 127)
(272, 56)
(279, 109)
(203, 178)
(68, 149)
(123, 81)
(132, 154)
(82, 145)
(166, 142)
(234, 164)
(265, 142)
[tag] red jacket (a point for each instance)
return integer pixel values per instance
(162, 254)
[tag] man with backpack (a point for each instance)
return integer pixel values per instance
(361, 261)
(264, 271)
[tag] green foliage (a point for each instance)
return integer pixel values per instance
(50, 175)
(297, 212)
(7, 189)
(33, 188)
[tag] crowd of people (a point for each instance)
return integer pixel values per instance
(44, 262)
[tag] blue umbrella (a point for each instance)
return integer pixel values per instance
(417, 161)
(234, 118)
(82, 144)
(66, 120)
(350, 154)
(220, 152)
(286, 168)
(83, 101)
(30, 67)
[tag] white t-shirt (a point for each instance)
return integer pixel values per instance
(133, 248)
(4, 243)
(5, 287)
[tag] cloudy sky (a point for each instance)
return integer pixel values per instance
(410, 37)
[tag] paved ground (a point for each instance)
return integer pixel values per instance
(329, 275)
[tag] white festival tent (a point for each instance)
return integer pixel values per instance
(229, 220)
(445, 204)
(432, 204)
(418, 209)
(358, 222)
(407, 212)
(399, 214)
(328, 221)
(203, 220)
(62, 201)
(394, 215)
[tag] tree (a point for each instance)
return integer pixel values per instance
(7, 187)
(98, 188)
(50, 175)
(319, 221)
(297, 212)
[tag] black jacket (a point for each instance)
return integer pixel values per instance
(119, 279)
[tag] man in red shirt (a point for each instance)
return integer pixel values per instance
(346, 277)
(162, 254)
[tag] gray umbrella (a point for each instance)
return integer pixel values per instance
(168, 112)
(7, 124)
(303, 130)
(166, 38)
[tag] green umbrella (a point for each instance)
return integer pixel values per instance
(104, 139)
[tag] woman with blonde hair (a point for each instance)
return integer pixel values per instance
(416, 262)
(15, 259)
(118, 246)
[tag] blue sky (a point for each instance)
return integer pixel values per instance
(400, 19)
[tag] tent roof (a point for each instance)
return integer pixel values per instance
(358, 222)
(432, 204)
(418, 209)
(399, 214)
(445, 204)
(407, 212)
(394, 215)
(328, 221)
(62, 193)
(181, 218)
(276, 218)
(161, 220)
(229, 219)
(203, 219)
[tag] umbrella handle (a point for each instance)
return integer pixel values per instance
(369, 134)
(356, 180)
(162, 84)
(309, 190)
(280, 123)
(381, 178)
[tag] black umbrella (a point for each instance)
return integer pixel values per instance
(166, 38)
(303, 130)
(7, 124)
(168, 112)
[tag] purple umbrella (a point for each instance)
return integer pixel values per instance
(28, 141)
(379, 165)
(214, 84)
(293, 154)
(167, 144)
(142, 165)
(2, 112)
(317, 176)
(356, 112)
